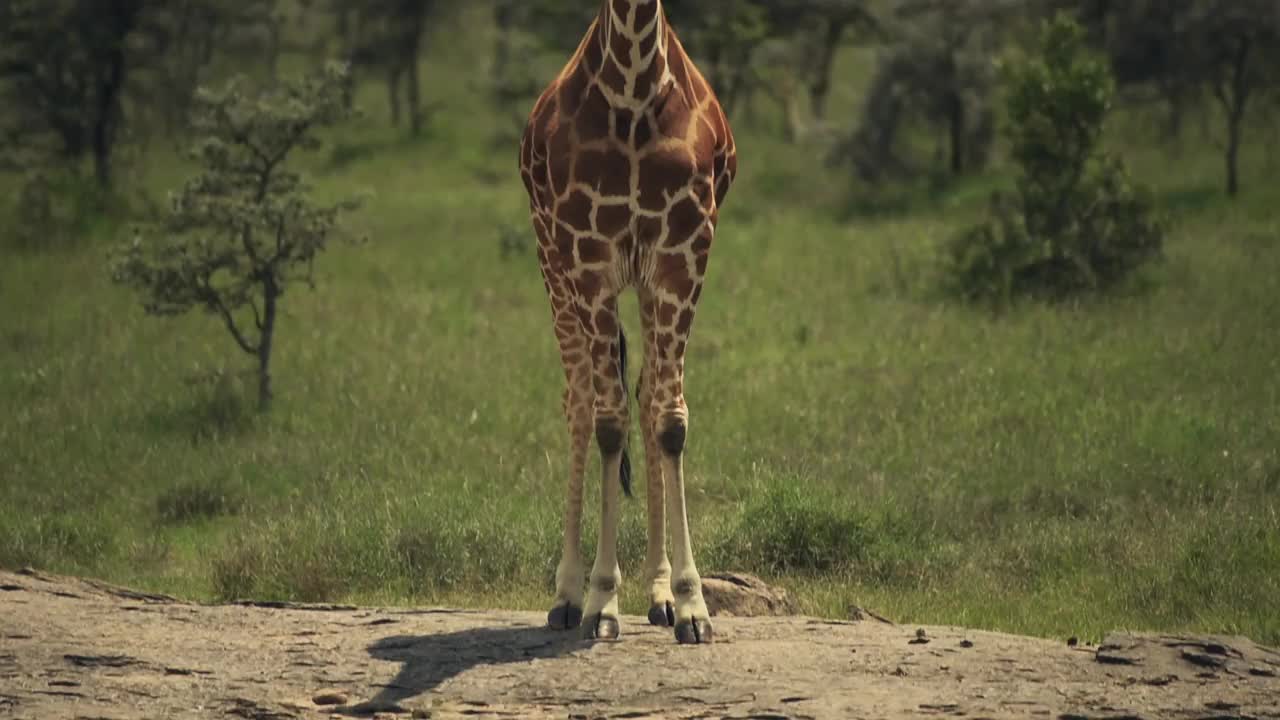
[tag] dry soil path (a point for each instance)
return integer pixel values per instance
(73, 648)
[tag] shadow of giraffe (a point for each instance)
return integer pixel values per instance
(427, 661)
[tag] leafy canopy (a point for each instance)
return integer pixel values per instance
(1077, 224)
(245, 226)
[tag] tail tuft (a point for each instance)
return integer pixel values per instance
(625, 474)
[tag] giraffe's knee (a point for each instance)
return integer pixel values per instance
(671, 435)
(610, 433)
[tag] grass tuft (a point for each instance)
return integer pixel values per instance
(197, 500)
(1060, 471)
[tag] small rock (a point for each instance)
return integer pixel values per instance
(743, 595)
(966, 643)
(921, 638)
(858, 614)
(1073, 641)
(330, 696)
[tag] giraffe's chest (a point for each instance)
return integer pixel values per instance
(645, 173)
(660, 146)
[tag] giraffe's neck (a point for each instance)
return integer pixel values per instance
(634, 38)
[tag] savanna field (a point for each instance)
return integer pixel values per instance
(1055, 469)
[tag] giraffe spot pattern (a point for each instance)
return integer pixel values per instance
(673, 274)
(663, 173)
(612, 218)
(593, 250)
(626, 158)
(610, 173)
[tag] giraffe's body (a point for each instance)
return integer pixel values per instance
(627, 158)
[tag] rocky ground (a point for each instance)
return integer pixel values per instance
(73, 648)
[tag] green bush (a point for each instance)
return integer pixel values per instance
(325, 553)
(53, 207)
(57, 541)
(197, 500)
(1076, 223)
(788, 528)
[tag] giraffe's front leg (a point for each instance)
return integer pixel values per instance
(692, 621)
(657, 568)
(669, 417)
(566, 613)
(601, 614)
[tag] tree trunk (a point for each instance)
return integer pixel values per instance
(788, 93)
(1235, 101)
(393, 93)
(107, 110)
(1176, 109)
(1233, 157)
(270, 294)
(343, 27)
(958, 132)
(736, 82)
(503, 19)
(274, 40)
(414, 96)
(820, 83)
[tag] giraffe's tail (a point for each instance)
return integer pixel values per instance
(625, 473)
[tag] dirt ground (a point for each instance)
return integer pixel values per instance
(73, 648)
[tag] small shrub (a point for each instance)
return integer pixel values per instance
(54, 541)
(236, 572)
(446, 552)
(245, 227)
(54, 207)
(218, 405)
(429, 557)
(197, 500)
(789, 529)
(1076, 224)
(330, 551)
(513, 242)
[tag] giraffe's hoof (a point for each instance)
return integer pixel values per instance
(601, 627)
(663, 615)
(564, 617)
(694, 632)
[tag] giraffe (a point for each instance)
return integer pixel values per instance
(627, 158)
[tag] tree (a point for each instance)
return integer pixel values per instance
(1226, 50)
(937, 69)
(723, 35)
(66, 65)
(183, 39)
(386, 36)
(793, 61)
(67, 60)
(785, 48)
(1145, 42)
(1235, 46)
(244, 228)
(1076, 223)
(839, 18)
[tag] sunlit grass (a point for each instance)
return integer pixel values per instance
(1053, 470)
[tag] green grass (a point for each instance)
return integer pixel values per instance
(1053, 470)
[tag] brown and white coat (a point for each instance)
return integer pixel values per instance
(627, 158)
